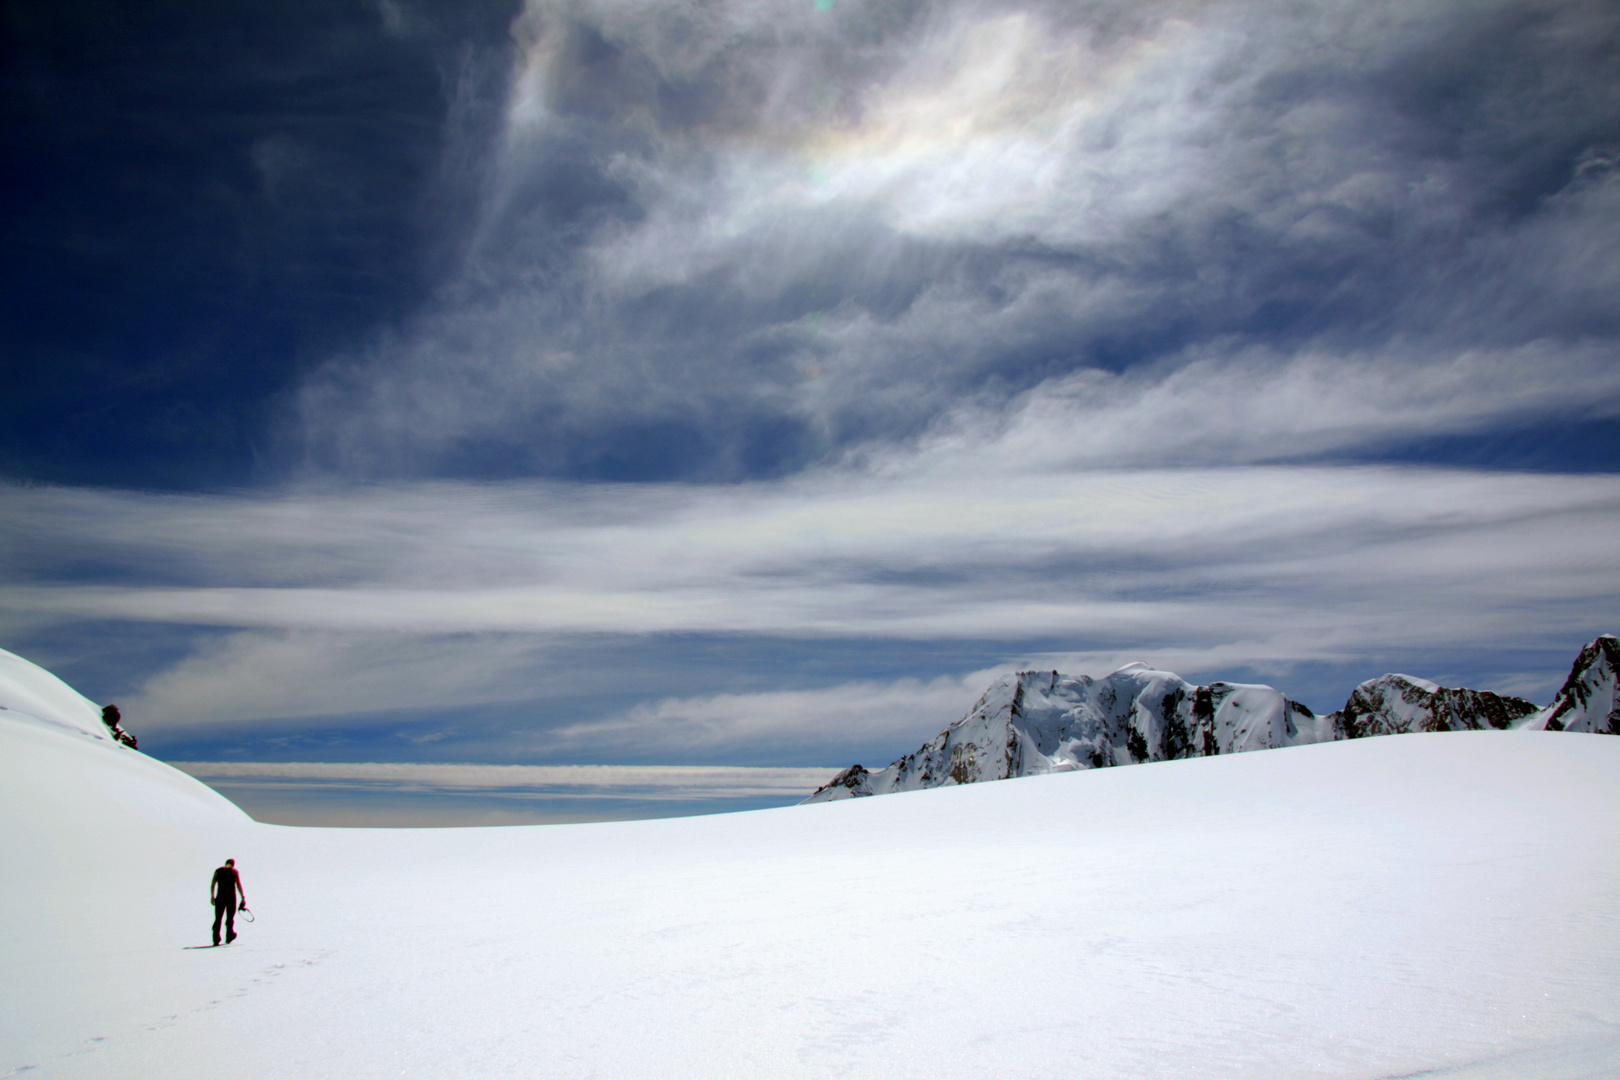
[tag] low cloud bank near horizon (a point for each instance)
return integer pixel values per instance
(674, 782)
(398, 794)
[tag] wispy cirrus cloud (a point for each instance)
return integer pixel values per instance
(832, 717)
(886, 555)
(729, 241)
(441, 595)
(787, 372)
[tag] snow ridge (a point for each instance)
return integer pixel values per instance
(1038, 722)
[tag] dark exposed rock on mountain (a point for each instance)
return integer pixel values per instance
(1590, 699)
(1042, 721)
(1393, 704)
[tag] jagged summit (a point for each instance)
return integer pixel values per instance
(1043, 721)
(1590, 698)
(1393, 704)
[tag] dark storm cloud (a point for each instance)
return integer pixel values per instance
(722, 242)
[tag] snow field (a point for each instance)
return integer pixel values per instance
(1445, 902)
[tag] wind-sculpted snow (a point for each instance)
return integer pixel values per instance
(1041, 722)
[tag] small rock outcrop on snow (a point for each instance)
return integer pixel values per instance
(113, 719)
(1042, 721)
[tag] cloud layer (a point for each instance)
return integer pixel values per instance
(921, 555)
(551, 781)
(423, 597)
(728, 241)
(774, 373)
(382, 793)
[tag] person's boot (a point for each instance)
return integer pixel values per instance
(230, 937)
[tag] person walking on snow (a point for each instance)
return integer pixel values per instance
(226, 884)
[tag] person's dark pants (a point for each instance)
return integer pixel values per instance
(225, 909)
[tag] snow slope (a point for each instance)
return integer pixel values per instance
(1439, 903)
(30, 690)
(1038, 722)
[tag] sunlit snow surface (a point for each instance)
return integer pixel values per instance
(1444, 904)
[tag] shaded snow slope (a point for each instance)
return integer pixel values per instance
(1040, 722)
(76, 753)
(99, 847)
(1444, 904)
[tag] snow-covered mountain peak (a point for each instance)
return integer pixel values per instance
(1044, 721)
(1392, 704)
(1038, 722)
(1590, 698)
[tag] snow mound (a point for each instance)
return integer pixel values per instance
(50, 729)
(29, 689)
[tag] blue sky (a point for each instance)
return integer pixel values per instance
(747, 384)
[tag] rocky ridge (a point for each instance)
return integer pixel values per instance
(1590, 698)
(1038, 722)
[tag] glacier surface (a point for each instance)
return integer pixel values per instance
(1437, 904)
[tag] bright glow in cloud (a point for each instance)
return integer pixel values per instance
(729, 240)
(1003, 329)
